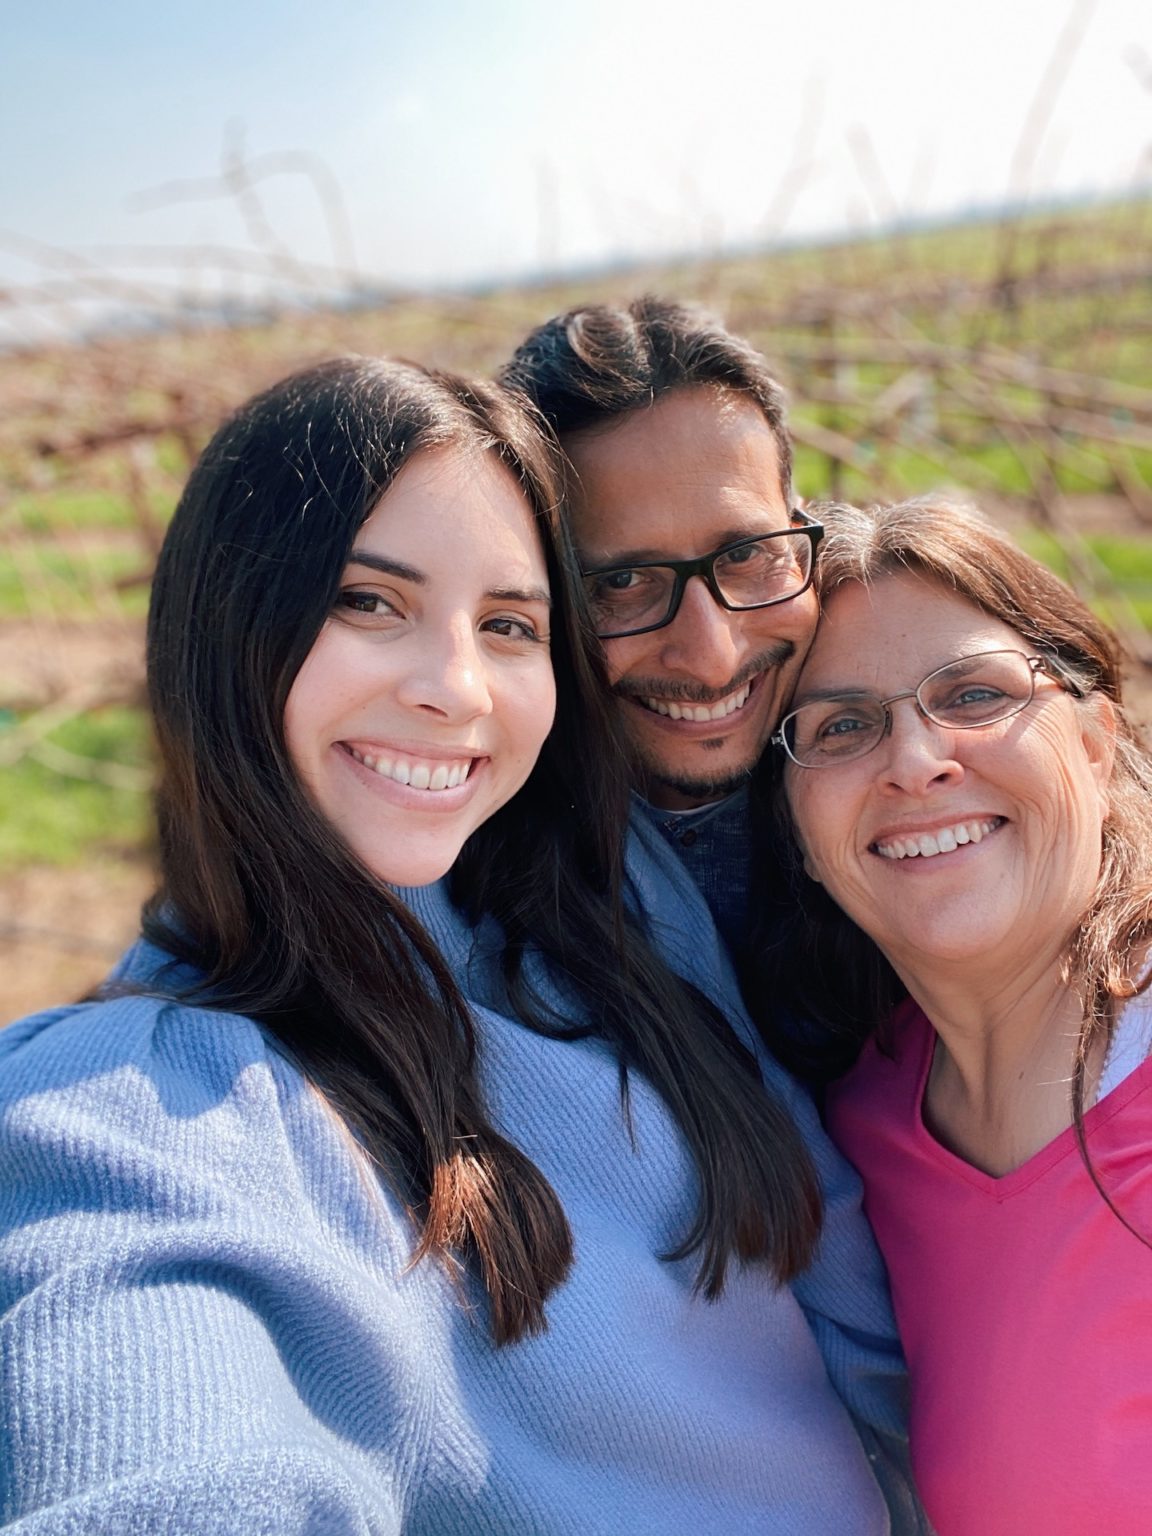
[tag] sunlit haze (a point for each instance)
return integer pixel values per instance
(453, 143)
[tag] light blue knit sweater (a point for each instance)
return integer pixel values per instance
(208, 1322)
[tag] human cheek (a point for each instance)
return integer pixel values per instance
(340, 673)
(794, 620)
(528, 710)
(626, 656)
(1064, 800)
(305, 711)
(827, 810)
(779, 684)
(810, 826)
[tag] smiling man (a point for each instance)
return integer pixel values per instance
(696, 563)
(698, 570)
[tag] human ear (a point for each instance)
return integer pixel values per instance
(789, 820)
(1098, 738)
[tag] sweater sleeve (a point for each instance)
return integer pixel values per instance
(185, 1245)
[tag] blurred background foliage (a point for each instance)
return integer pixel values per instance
(1008, 361)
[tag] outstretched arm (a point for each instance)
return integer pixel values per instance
(194, 1336)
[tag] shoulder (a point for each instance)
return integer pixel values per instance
(140, 1059)
(187, 1236)
(145, 1104)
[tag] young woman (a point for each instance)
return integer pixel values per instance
(294, 1234)
(966, 787)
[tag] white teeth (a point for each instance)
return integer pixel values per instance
(717, 711)
(927, 845)
(420, 775)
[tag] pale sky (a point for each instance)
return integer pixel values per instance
(471, 142)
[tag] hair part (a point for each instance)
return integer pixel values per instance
(589, 367)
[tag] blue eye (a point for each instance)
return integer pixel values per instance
(970, 703)
(844, 725)
(821, 732)
(976, 693)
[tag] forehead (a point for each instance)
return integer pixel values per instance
(459, 510)
(889, 634)
(697, 469)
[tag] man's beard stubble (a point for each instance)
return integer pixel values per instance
(650, 772)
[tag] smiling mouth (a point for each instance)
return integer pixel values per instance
(418, 772)
(675, 710)
(926, 845)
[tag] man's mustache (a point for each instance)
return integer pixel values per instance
(695, 693)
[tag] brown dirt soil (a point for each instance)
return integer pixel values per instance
(41, 661)
(61, 929)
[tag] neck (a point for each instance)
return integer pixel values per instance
(1000, 1084)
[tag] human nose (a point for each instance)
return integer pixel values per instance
(917, 755)
(447, 676)
(703, 639)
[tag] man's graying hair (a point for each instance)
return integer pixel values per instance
(596, 363)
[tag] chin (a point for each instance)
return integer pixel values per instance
(656, 777)
(409, 869)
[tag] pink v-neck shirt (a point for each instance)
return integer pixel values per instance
(1024, 1304)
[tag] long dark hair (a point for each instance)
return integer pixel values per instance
(286, 926)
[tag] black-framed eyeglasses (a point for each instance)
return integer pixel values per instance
(750, 573)
(967, 693)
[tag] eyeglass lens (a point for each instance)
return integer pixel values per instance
(976, 690)
(747, 575)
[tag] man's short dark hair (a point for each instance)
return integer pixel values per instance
(600, 361)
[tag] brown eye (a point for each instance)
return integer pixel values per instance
(508, 628)
(371, 604)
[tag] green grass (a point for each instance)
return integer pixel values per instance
(56, 819)
(46, 511)
(44, 579)
(1126, 565)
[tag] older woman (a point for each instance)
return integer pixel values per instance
(966, 788)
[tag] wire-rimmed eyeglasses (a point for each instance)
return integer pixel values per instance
(750, 573)
(972, 691)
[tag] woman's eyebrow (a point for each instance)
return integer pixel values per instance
(819, 695)
(397, 568)
(520, 595)
(387, 567)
